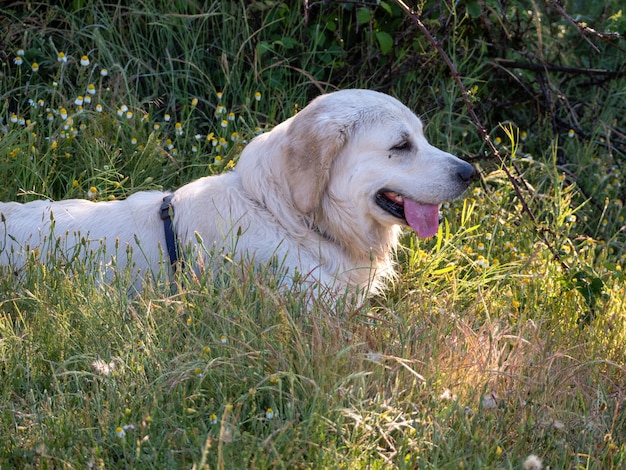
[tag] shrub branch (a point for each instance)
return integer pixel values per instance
(516, 181)
(584, 29)
(513, 64)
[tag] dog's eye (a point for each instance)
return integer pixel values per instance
(402, 146)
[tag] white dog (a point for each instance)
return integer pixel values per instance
(325, 193)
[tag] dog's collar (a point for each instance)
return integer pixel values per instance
(167, 213)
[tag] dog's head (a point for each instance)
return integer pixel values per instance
(356, 157)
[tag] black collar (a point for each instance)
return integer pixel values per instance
(167, 214)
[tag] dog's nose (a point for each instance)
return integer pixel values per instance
(466, 172)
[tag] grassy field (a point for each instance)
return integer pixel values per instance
(504, 337)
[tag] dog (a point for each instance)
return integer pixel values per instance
(326, 193)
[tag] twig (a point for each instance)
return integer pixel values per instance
(508, 63)
(483, 131)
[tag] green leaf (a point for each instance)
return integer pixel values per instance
(385, 41)
(385, 6)
(363, 15)
(473, 8)
(263, 47)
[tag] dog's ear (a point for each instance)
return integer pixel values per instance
(315, 139)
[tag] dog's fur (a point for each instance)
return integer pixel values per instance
(308, 193)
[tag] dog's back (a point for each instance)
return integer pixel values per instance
(64, 229)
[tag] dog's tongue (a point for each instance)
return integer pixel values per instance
(423, 218)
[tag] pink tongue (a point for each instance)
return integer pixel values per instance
(423, 218)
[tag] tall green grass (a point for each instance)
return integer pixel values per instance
(486, 350)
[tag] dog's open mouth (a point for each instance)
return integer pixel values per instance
(423, 218)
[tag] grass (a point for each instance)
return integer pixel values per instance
(485, 351)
